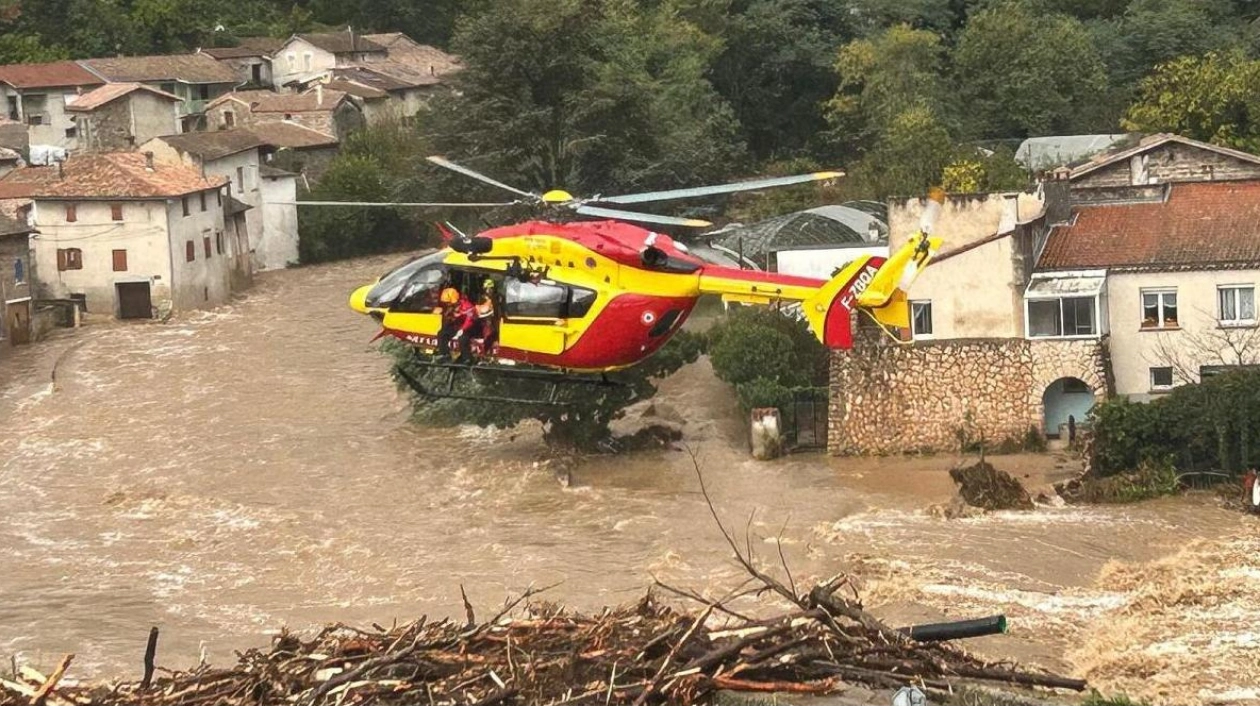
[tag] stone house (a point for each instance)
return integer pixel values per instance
(304, 56)
(119, 116)
(324, 110)
(36, 96)
(15, 281)
(1125, 275)
(236, 155)
(299, 149)
(251, 59)
(196, 79)
(126, 235)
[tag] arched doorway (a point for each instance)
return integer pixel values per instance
(1066, 397)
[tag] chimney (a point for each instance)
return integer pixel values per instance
(148, 160)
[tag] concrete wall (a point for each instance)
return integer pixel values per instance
(206, 280)
(278, 246)
(1170, 162)
(125, 123)
(964, 217)
(247, 161)
(142, 233)
(299, 58)
(888, 398)
(49, 103)
(1200, 340)
(974, 294)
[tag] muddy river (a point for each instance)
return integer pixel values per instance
(230, 472)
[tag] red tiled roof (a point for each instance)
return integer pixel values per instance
(189, 68)
(262, 101)
(214, 144)
(116, 175)
(100, 96)
(1200, 225)
(50, 75)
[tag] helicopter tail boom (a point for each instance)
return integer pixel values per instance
(873, 283)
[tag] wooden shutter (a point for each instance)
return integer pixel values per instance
(190, 251)
(61, 259)
(72, 213)
(120, 261)
(206, 242)
(115, 212)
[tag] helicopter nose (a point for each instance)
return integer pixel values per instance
(358, 299)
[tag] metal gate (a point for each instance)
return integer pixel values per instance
(805, 419)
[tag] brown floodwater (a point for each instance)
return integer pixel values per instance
(230, 472)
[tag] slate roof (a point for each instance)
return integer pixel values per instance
(48, 75)
(213, 145)
(341, 42)
(292, 135)
(118, 175)
(249, 47)
(1201, 225)
(186, 68)
(100, 96)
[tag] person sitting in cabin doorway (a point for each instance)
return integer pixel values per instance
(458, 318)
(486, 319)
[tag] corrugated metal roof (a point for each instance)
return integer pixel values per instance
(1075, 285)
(1039, 153)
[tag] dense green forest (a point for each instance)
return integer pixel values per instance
(614, 95)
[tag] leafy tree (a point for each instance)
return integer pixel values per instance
(976, 171)
(766, 355)
(28, 49)
(908, 158)
(582, 423)
(1215, 98)
(430, 22)
(1158, 31)
(331, 233)
(1016, 77)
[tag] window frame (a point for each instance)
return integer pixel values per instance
(115, 211)
(915, 334)
(1157, 388)
(205, 242)
(1235, 289)
(69, 259)
(190, 251)
(1095, 320)
(119, 255)
(1161, 319)
(184, 200)
(566, 306)
(72, 212)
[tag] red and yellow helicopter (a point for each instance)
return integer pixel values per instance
(590, 297)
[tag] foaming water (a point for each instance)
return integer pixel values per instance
(239, 470)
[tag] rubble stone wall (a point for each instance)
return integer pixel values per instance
(925, 397)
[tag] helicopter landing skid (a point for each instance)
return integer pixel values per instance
(552, 382)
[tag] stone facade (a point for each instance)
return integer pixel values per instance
(888, 398)
(1170, 162)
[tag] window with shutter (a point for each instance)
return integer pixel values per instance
(61, 259)
(206, 242)
(115, 212)
(74, 259)
(120, 261)
(190, 251)
(185, 202)
(72, 213)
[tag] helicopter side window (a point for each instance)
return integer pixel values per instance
(580, 302)
(391, 286)
(529, 299)
(420, 293)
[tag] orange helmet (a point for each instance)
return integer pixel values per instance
(449, 295)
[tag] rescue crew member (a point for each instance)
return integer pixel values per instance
(458, 318)
(487, 321)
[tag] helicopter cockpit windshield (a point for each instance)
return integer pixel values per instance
(391, 287)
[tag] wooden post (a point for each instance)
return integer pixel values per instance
(149, 652)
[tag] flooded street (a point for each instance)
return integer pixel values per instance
(235, 471)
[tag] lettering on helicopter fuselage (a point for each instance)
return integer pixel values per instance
(860, 283)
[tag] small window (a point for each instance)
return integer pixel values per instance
(218, 242)
(19, 272)
(229, 118)
(921, 320)
(218, 197)
(120, 261)
(1237, 305)
(184, 201)
(1159, 309)
(72, 213)
(203, 200)
(1161, 378)
(190, 251)
(206, 243)
(240, 180)
(291, 60)
(115, 212)
(69, 259)
(528, 299)
(306, 61)
(34, 120)
(72, 131)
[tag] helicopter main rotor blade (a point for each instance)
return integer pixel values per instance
(397, 203)
(645, 218)
(443, 162)
(719, 189)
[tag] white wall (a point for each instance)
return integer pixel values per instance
(55, 118)
(973, 294)
(290, 62)
(821, 262)
(142, 233)
(1199, 341)
(279, 243)
(205, 281)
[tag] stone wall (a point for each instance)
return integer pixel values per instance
(1173, 162)
(888, 398)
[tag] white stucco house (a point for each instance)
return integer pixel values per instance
(311, 54)
(130, 236)
(279, 245)
(36, 95)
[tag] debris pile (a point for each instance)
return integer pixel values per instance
(983, 486)
(647, 653)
